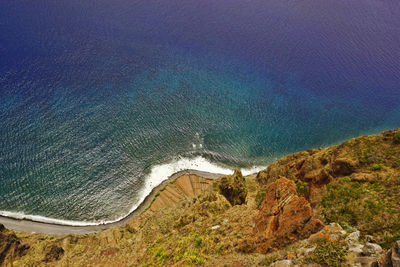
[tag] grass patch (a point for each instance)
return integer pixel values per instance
(260, 198)
(328, 254)
(377, 167)
(198, 242)
(389, 239)
(370, 206)
(163, 188)
(157, 252)
(268, 260)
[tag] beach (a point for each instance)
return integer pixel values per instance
(31, 226)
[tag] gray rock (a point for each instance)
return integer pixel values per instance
(364, 261)
(353, 237)
(356, 248)
(334, 237)
(370, 238)
(336, 229)
(396, 254)
(283, 263)
(215, 227)
(305, 251)
(371, 249)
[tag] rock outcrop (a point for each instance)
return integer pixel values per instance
(233, 188)
(284, 217)
(11, 247)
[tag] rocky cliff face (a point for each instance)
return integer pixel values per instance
(284, 217)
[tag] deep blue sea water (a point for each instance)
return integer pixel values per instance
(101, 100)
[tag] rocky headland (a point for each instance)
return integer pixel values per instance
(334, 206)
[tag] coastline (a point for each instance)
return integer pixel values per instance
(31, 226)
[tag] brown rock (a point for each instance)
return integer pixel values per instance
(284, 217)
(330, 232)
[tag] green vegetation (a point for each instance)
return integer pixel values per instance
(197, 242)
(302, 188)
(260, 198)
(370, 206)
(358, 183)
(389, 239)
(220, 248)
(233, 188)
(396, 138)
(158, 253)
(328, 254)
(377, 167)
(268, 260)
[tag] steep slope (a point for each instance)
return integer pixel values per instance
(335, 206)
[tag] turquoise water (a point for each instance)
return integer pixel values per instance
(100, 101)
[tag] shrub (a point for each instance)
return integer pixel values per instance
(194, 259)
(220, 248)
(327, 253)
(336, 202)
(389, 239)
(377, 167)
(302, 188)
(158, 253)
(197, 242)
(396, 138)
(260, 198)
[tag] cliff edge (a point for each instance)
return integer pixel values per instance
(334, 206)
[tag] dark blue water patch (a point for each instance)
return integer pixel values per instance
(94, 94)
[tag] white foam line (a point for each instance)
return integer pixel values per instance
(158, 174)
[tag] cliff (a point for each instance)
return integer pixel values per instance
(335, 206)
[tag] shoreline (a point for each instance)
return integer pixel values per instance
(31, 226)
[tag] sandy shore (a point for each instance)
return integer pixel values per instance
(59, 229)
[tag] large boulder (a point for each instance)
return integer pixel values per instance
(233, 188)
(284, 217)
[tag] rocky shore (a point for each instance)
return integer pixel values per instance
(334, 206)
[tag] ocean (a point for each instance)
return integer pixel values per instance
(102, 100)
